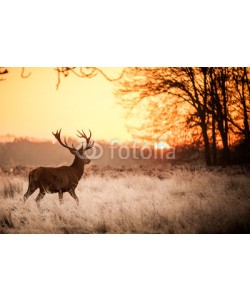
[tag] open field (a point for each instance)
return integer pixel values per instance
(134, 201)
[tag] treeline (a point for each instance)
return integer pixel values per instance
(206, 107)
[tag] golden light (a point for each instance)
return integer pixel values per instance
(33, 107)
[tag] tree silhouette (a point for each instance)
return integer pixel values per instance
(214, 101)
(82, 72)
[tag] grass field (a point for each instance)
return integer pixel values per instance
(132, 201)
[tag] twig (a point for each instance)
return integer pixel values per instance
(22, 73)
(93, 72)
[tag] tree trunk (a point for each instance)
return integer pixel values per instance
(214, 148)
(206, 143)
(246, 125)
(224, 136)
(226, 151)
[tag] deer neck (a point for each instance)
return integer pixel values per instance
(78, 166)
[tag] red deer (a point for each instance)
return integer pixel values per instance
(62, 179)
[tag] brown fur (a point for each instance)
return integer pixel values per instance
(58, 180)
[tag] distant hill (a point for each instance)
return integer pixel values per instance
(26, 152)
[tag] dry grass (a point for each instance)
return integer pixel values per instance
(200, 201)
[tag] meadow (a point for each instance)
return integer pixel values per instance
(133, 200)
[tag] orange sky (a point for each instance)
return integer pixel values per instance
(33, 107)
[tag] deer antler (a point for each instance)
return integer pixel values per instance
(58, 137)
(89, 144)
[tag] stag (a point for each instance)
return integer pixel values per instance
(62, 179)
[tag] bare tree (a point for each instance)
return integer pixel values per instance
(181, 85)
(215, 101)
(241, 102)
(219, 106)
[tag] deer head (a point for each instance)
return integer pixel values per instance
(78, 152)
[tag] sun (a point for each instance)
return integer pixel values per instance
(162, 145)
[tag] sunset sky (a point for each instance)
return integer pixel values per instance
(33, 107)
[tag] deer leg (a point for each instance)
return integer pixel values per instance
(73, 194)
(60, 195)
(30, 191)
(31, 188)
(40, 196)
